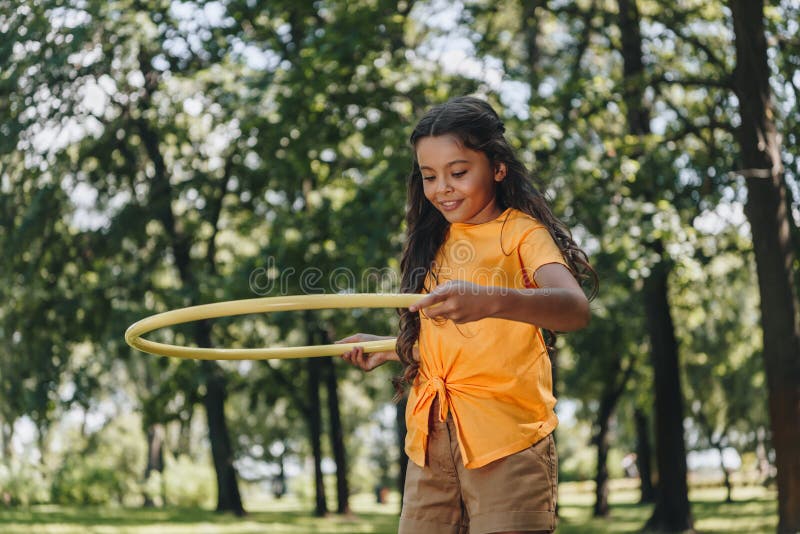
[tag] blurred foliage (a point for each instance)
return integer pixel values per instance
(158, 154)
(104, 468)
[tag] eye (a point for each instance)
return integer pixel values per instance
(459, 174)
(428, 178)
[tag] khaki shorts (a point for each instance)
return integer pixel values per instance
(517, 492)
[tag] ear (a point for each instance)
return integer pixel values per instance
(500, 170)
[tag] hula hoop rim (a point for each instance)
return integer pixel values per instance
(231, 308)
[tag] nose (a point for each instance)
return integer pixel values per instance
(443, 186)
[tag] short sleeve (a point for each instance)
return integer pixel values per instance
(538, 248)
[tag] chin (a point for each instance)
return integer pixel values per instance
(450, 218)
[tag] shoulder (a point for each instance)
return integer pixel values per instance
(531, 238)
(520, 225)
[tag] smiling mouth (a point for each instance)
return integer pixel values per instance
(450, 205)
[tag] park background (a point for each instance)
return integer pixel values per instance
(158, 154)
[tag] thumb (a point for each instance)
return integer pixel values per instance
(439, 294)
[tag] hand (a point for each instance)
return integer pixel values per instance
(366, 361)
(459, 301)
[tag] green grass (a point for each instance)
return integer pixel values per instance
(287, 515)
(754, 511)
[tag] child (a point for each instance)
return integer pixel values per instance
(497, 267)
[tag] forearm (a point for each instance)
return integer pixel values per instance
(552, 308)
(393, 356)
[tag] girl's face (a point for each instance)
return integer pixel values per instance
(458, 181)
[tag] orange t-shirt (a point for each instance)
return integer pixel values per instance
(493, 375)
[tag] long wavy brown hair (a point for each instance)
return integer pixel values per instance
(476, 124)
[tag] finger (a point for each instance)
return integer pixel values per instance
(363, 359)
(430, 300)
(351, 359)
(441, 310)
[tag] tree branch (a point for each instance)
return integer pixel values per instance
(666, 78)
(216, 210)
(680, 19)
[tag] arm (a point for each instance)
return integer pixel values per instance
(369, 361)
(558, 303)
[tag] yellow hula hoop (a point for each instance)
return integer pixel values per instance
(264, 305)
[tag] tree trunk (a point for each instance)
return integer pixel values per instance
(279, 484)
(612, 391)
(315, 435)
(601, 478)
(672, 512)
(41, 441)
(400, 418)
(228, 497)
(762, 458)
(770, 224)
(185, 433)
(6, 433)
(644, 457)
(160, 198)
(727, 474)
(337, 437)
(155, 457)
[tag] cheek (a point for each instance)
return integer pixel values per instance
(428, 189)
